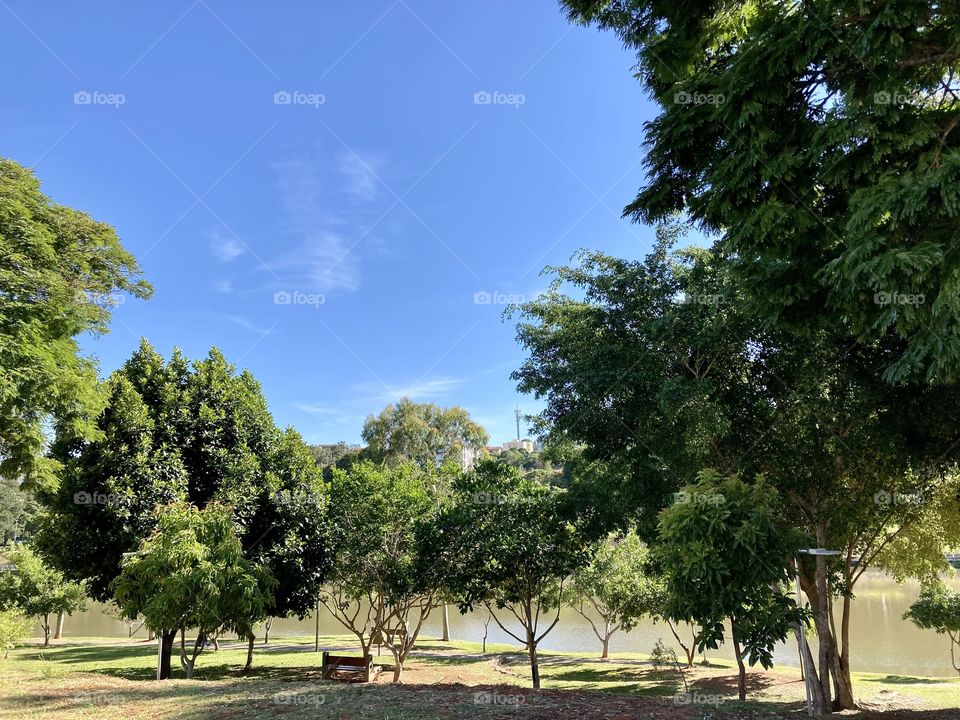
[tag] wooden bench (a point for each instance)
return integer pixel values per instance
(344, 667)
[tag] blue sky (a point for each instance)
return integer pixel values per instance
(390, 159)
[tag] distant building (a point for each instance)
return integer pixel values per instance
(519, 445)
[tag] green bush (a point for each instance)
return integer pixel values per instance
(15, 627)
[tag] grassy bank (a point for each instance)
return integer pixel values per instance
(87, 678)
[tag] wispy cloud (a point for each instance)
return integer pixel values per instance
(360, 175)
(247, 324)
(323, 258)
(226, 248)
(316, 408)
(420, 390)
(223, 286)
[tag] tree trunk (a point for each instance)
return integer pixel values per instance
(742, 676)
(250, 640)
(59, 633)
(844, 682)
(689, 652)
(166, 652)
(606, 640)
(446, 623)
(46, 631)
(266, 630)
(534, 665)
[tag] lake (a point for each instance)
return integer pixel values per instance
(882, 642)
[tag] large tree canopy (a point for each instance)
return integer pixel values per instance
(423, 433)
(187, 432)
(817, 141)
(656, 369)
(59, 272)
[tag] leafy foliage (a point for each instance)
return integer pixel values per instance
(383, 585)
(938, 608)
(198, 433)
(192, 573)
(511, 547)
(60, 271)
(421, 432)
(616, 583)
(725, 552)
(37, 590)
(816, 141)
(15, 627)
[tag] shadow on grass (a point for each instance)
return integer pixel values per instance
(905, 680)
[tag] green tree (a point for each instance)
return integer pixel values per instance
(725, 553)
(513, 549)
(60, 275)
(192, 573)
(383, 586)
(616, 585)
(422, 433)
(938, 608)
(658, 369)
(15, 627)
(816, 141)
(175, 431)
(37, 590)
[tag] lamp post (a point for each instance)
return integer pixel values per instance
(823, 627)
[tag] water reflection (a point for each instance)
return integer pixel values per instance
(880, 640)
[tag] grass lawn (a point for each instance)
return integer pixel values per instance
(106, 679)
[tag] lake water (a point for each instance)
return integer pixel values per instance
(881, 640)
